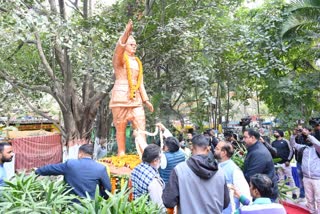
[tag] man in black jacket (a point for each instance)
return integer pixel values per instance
(258, 159)
(281, 148)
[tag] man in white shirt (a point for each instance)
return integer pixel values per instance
(6, 155)
(234, 176)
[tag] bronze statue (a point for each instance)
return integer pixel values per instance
(128, 93)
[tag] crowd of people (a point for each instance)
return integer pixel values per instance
(208, 181)
(205, 179)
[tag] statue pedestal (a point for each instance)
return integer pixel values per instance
(119, 169)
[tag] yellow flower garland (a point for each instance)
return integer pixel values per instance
(132, 87)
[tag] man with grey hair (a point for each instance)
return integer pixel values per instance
(234, 176)
(197, 185)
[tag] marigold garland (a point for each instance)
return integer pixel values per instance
(129, 161)
(132, 87)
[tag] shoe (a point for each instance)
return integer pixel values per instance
(294, 196)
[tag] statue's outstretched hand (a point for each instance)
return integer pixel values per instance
(129, 27)
(149, 105)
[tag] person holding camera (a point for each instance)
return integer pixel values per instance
(281, 148)
(302, 140)
(316, 131)
(310, 169)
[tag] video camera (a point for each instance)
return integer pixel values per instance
(245, 121)
(314, 121)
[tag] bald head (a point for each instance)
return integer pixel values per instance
(131, 46)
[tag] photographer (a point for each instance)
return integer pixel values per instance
(310, 169)
(302, 140)
(316, 131)
(281, 148)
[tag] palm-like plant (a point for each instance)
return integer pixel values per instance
(28, 194)
(304, 13)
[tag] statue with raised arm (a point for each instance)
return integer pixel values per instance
(128, 93)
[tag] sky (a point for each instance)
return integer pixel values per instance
(253, 4)
(108, 2)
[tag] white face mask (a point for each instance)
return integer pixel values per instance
(158, 165)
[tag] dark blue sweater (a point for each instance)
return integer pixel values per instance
(259, 160)
(173, 158)
(83, 175)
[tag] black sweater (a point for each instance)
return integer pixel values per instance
(259, 160)
(283, 150)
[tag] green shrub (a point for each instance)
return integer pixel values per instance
(117, 204)
(27, 194)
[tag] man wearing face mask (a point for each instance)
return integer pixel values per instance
(281, 148)
(310, 169)
(145, 177)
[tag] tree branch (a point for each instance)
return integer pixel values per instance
(177, 100)
(15, 83)
(60, 57)
(43, 58)
(76, 7)
(3, 10)
(16, 51)
(58, 95)
(101, 95)
(19, 48)
(3, 99)
(148, 6)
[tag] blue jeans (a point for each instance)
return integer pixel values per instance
(302, 194)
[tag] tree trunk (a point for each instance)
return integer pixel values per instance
(228, 103)
(103, 121)
(217, 106)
